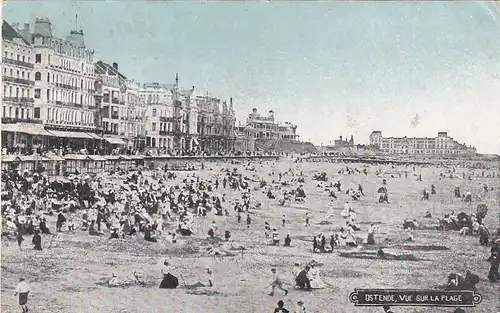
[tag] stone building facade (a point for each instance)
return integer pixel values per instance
(442, 145)
(18, 85)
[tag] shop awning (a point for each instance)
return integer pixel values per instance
(114, 140)
(94, 136)
(76, 135)
(10, 128)
(36, 130)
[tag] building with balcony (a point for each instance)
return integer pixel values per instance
(122, 111)
(440, 146)
(63, 74)
(159, 112)
(268, 129)
(216, 124)
(18, 84)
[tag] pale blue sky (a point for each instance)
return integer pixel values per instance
(333, 68)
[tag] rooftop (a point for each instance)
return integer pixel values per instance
(10, 34)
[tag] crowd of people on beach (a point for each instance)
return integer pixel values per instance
(147, 201)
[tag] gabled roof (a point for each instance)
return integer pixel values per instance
(9, 33)
(104, 68)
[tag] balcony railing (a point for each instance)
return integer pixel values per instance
(66, 86)
(114, 116)
(20, 63)
(163, 132)
(167, 119)
(122, 102)
(19, 99)
(115, 101)
(10, 120)
(109, 132)
(69, 104)
(105, 98)
(19, 80)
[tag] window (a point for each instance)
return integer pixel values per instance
(36, 114)
(49, 59)
(22, 74)
(37, 93)
(38, 58)
(153, 127)
(24, 58)
(48, 77)
(17, 112)
(22, 113)
(154, 112)
(38, 76)
(17, 72)
(17, 92)
(48, 94)
(11, 73)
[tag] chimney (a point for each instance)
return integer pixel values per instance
(27, 27)
(231, 101)
(254, 110)
(192, 88)
(340, 138)
(115, 66)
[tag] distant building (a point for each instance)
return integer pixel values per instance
(245, 138)
(442, 145)
(268, 129)
(344, 146)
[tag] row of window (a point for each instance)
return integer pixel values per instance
(65, 96)
(63, 47)
(83, 84)
(18, 92)
(66, 116)
(423, 151)
(168, 127)
(16, 112)
(15, 73)
(19, 57)
(69, 65)
(123, 127)
(166, 143)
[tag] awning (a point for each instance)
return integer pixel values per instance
(36, 130)
(63, 134)
(10, 128)
(94, 136)
(114, 140)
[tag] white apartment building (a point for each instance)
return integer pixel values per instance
(159, 126)
(112, 85)
(134, 125)
(64, 80)
(18, 79)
